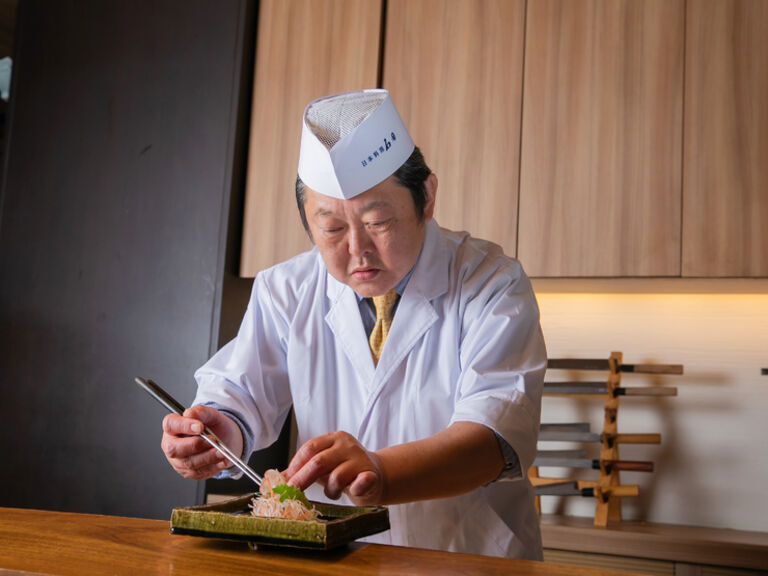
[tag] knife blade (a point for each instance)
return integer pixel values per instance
(604, 364)
(562, 453)
(579, 432)
(571, 488)
(565, 427)
(567, 488)
(555, 458)
(172, 405)
(599, 388)
(578, 387)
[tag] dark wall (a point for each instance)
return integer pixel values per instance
(124, 166)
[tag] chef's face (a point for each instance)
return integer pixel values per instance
(370, 242)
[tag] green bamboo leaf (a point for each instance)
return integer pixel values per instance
(287, 492)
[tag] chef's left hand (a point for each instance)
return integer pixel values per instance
(339, 463)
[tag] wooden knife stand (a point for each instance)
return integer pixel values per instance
(607, 488)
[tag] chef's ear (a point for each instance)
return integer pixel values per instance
(430, 193)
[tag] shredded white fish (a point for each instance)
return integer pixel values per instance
(268, 503)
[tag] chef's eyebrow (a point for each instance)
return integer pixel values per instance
(372, 205)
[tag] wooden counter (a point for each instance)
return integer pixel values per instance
(58, 543)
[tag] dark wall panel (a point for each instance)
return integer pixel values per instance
(112, 241)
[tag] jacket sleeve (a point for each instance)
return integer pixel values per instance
(248, 377)
(503, 359)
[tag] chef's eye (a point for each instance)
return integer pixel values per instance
(378, 224)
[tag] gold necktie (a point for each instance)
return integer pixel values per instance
(384, 305)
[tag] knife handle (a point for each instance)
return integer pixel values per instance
(626, 465)
(633, 439)
(645, 391)
(605, 492)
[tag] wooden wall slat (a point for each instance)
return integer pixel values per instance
(601, 140)
(725, 196)
(305, 49)
(454, 69)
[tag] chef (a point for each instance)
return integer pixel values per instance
(412, 355)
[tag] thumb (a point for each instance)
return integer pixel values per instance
(218, 423)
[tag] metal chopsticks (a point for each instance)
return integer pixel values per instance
(207, 434)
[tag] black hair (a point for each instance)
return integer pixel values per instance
(411, 175)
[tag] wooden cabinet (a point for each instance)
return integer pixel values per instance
(725, 195)
(454, 69)
(601, 141)
(556, 127)
(650, 548)
(305, 49)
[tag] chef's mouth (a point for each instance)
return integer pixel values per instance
(365, 273)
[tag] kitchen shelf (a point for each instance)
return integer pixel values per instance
(693, 545)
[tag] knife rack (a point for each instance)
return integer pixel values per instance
(607, 488)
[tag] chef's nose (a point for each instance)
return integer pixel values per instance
(359, 241)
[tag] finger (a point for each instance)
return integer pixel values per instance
(322, 481)
(180, 447)
(205, 414)
(200, 473)
(211, 471)
(320, 465)
(308, 450)
(341, 477)
(179, 425)
(203, 460)
(365, 486)
(359, 478)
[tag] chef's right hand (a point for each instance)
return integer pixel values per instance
(188, 453)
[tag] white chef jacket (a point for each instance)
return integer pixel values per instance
(465, 345)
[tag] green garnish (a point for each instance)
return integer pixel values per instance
(287, 492)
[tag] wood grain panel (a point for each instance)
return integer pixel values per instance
(600, 189)
(454, 69)
(654, 541)
(8, 9)
(612, 562)
(121, 163)
(725, 207)
(305, 49)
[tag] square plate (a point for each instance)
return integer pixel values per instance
(232, 519)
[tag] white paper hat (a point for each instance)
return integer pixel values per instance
(350, 142)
